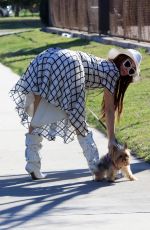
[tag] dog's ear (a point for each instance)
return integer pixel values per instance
(125, 145)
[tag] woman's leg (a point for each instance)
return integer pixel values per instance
(36, 103)
(33, 147)
(90, 152)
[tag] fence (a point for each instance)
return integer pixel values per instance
(123, 18)
(79, 15)
(130, 19)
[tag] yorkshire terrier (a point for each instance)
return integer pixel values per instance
(111, 163)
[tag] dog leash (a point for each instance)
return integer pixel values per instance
(117, 144)
(94, 115)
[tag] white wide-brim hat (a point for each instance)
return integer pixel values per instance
(132, 53)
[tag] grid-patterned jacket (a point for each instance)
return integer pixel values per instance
(61, 76)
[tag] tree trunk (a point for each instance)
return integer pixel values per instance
(17, 9)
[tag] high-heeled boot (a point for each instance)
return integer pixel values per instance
(32, 154)
(90, 152)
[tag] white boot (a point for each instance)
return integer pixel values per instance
(90, 151)
(33, 146)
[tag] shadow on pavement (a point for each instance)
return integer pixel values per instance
(23, 199)
(140, 166)
(40, 196)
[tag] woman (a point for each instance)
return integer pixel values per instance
(50, 98)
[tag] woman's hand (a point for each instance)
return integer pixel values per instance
(111, 144)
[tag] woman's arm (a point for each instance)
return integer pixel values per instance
(110, 117)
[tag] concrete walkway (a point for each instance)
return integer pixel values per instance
(12, 31)
(68, 199)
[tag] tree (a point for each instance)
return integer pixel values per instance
(44, 12)
(19, 4)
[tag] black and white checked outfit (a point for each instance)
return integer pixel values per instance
(61, 77)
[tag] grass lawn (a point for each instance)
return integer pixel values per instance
(17, 51)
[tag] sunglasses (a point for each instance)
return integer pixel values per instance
(128, 65)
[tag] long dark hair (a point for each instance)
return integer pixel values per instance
(120, 89)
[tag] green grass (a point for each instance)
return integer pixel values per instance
(27, 13)
(17, 51)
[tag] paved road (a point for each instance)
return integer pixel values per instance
(68, 199)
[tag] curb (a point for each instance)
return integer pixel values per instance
(108, 40)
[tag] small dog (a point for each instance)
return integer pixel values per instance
(111, 163)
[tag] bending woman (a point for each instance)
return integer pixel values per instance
(50, 98)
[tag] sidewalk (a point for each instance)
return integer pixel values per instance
(68, 199)
(12, 31)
